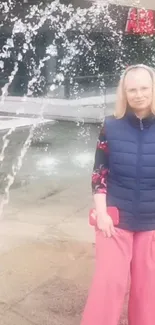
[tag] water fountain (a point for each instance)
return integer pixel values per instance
(24, 216)
(62, 20)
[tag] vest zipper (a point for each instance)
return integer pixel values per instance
(141, 125)
(137, 191)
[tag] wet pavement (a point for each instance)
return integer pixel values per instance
(46, 245)
(63, 151)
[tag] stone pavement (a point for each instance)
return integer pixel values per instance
(47, 256)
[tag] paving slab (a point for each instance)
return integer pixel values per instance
(14, 234)
(78, 229)
(11, 318)
(60, 299)
(26, 267)
(46, 282)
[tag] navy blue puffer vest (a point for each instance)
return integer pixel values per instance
(131, 181)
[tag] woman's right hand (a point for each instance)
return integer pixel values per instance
(105, 224)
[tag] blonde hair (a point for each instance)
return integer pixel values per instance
(121, 100)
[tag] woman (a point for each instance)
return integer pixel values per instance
(124, 177)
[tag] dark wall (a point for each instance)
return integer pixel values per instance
(111, 48)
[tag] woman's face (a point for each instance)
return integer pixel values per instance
(138, 89)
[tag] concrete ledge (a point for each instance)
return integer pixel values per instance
(91, 110)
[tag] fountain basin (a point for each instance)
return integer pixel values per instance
(88, 110)
(24, 124)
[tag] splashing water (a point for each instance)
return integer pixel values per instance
(15, 168)
(5, 143)
(62, 21)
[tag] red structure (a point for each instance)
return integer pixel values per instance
(140, 21)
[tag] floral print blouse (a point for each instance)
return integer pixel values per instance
(101, 169)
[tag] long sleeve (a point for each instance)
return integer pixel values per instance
(101, 165)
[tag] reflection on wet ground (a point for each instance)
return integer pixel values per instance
(62, 150)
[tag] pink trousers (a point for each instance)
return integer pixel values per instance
(117, 257)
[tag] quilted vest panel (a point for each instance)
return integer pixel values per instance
(131, 181)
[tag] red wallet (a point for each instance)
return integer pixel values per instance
(112, 212)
